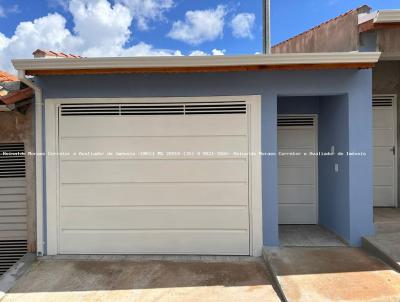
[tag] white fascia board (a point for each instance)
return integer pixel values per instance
(387, 16)
(362, 18)
(199, 61)
(391, 56)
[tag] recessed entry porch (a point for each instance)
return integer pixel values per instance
(313, 170)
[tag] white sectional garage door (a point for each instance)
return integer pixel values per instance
(297, 182)
(154, 178)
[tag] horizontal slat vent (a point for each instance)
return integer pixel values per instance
(12, 160)
(10, 252)
(295, 121)
(239, 108)
(382, 102)
(154, 109)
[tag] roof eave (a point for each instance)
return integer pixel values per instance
(390, 56)
(379, 20)
(189, 64)
(387, 16)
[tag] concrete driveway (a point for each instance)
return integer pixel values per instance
(109, 281)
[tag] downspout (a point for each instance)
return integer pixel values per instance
(266, 27)
(38, 159)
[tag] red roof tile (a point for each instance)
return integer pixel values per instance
(17, 96)
(40, 53)
(6, 77)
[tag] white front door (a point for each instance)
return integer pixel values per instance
(178, 197)
(297, 169)
(384, 143)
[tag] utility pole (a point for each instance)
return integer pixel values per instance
(266, 27)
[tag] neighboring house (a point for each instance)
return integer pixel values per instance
(363, 30)
(17, 178)
(17, 171)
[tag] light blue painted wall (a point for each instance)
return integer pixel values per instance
(360, 167)
(270, 85)
(334, 211)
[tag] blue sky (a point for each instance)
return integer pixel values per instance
(152, 27)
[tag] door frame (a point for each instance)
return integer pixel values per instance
(395, 143)
(315, 118)
(51, 177)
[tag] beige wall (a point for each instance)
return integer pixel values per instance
(340, 34)
(389, 40)
(18, 127)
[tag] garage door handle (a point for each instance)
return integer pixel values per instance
(393, 149)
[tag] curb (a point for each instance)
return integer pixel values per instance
(374, 250)
(275, 279)
(10, 277)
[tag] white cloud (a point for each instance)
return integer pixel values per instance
(4, 41)
(198, 53)
(48, 32)
(242, 25)
(144, 11)
(218, 52)
(100, 29)
(200, 26)
(214, 52)
(143, 49)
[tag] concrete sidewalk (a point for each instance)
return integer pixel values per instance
(120, 281)
(387, 220)
(332, 274)
(385, 247)
(385, 244)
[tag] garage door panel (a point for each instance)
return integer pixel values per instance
(9, 198)
(173, 199)
(113, 171)
(13, 212)
(298, 159)
(14, 226)
(164, 125)
(206, 242)
(383, 118)
(383, 176)
(291, 194)
(14, 235)
(296, 175)
(383, 156)
(383, 195)
(86, 147)
(289, 138)
(297, 214)
(383, 137)
(154, 194)
(173, 217)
